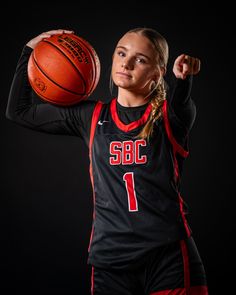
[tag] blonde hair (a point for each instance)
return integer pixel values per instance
(157, 99)
(157, 94)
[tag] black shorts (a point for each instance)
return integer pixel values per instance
(175, 269)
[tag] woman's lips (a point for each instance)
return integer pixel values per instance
(123, 74)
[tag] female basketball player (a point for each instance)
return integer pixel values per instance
(141, 242)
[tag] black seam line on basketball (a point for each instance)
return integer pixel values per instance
(79, 39)
(75, 101)
(91, 55)
(75, 93)
(57, 48)
(83, 93)
(94, 61)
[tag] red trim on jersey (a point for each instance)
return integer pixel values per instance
(132, 125)
(186, 265)
(194, 290)
(92, 281)
(95, 117)
(181, 206)
(187, 290)
(177, 147)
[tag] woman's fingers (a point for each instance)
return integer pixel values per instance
(33, 42)
(59, 31)
(186, 65)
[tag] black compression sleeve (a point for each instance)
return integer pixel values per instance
(182, 106)
(45, 117)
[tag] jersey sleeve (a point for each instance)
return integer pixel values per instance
(181, 109)
(26, 109)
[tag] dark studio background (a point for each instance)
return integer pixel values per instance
(45, 189)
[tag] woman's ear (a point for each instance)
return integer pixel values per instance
(156, 77)
(159, 74)
(163, 71)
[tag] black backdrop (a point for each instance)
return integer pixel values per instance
(45, 190)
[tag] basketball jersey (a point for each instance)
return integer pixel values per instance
(137, 204)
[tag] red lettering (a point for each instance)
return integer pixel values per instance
(114, 145)
(143, 158)
(127, 152)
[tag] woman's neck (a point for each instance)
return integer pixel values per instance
(128, 99)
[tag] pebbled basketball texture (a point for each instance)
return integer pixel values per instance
(64, 69)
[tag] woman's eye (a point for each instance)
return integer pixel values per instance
(140, 60)
(121, 53)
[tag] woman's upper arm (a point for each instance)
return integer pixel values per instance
(73, 120)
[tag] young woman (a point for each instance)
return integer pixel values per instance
(141, 242)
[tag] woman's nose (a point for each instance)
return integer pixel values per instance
(127, 64)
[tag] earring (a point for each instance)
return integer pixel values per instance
(154, 85)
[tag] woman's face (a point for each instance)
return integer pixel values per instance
(134, 63)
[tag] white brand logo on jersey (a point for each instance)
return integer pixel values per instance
(101, 122)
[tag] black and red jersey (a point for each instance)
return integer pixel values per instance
(136, 183)
(137, 204)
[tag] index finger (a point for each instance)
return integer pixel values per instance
(59, 31)
(180, 59)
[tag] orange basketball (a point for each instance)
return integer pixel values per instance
(64, 69)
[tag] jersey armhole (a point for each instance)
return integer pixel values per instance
(95, 117)
(176, 146)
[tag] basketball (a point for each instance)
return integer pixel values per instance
(64, 69)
